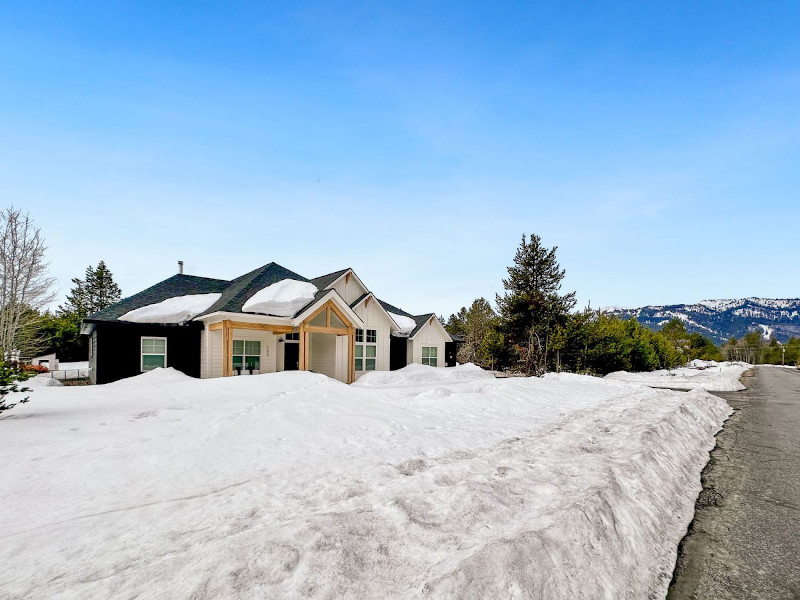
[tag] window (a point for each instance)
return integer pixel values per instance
(246, 355)
(429, 355)
(154, 353)
(293, 337)
(366, 352)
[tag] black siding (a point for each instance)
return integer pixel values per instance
(398, 353)
(450, 353)
(117, 353)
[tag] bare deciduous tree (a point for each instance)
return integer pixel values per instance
(24, 285)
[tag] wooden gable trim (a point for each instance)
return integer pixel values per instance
(350, 331)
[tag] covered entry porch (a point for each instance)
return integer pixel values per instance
(322, 341)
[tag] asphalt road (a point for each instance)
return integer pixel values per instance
(745, 539)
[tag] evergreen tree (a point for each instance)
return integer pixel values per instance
(94, 293)
(532, 307)
(10, 375)
(457, 323)
(477, 323)
(87, 296)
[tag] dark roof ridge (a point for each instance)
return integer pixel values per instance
(239, 290)
(324, 281)
(393, 309)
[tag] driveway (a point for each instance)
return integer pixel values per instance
(745, 539)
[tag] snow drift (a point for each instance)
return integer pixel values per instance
(700, 375)
(172, 310)
(282, 299)
(443, 483)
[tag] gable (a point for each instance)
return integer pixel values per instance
(429, 328)
(373, 314)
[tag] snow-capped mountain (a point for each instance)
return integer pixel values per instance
(722, 319)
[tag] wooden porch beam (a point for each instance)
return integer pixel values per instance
(303, 366)
(227, 349)
(333, 330)
(351, 354)
(262, 327)
(341, 316)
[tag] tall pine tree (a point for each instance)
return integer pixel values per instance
(87, 296)
(532, 307)
(94, 293)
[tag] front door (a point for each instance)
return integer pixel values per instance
(291, 357)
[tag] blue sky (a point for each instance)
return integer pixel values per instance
(656, 144)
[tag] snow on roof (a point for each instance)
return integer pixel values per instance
(282, 299)
(172, 310)
(406, 324)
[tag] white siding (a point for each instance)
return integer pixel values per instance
(342, 342)
(279, 355)
(374, 318)
(322, 355)
(215, 353)
(350, 291)
(429, 335)
(268, 346)
(211, 350)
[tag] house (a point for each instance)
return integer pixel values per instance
(270, 319)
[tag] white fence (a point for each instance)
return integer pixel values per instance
(64, 374)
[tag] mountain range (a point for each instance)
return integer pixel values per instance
(722, 319)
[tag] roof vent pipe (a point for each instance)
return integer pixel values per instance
(180, 267)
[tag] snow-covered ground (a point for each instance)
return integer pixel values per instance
(442, 483)
(703, 375)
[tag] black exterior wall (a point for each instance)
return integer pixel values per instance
(450, 353)
(117, 350)
(398, 353)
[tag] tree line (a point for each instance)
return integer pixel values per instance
(28, 327)
(754, 349)
(536, 330)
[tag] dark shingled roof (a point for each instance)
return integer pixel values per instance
(317, 296)
(421, 320)
(177, 285)
(359, 299)
(393, 309)
(324, 281)
(234, 293)
(241, 289)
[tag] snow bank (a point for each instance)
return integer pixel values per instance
(81, 365)
(172, 310)
(282, 299)
(416, 374)
(406, 324)
(443, 483)
(43, 380)
(704, 375)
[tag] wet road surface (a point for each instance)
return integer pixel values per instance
(745, 539)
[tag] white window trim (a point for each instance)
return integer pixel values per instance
(244, 350)
(364, 343)
(142, 353)
(423, 357)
